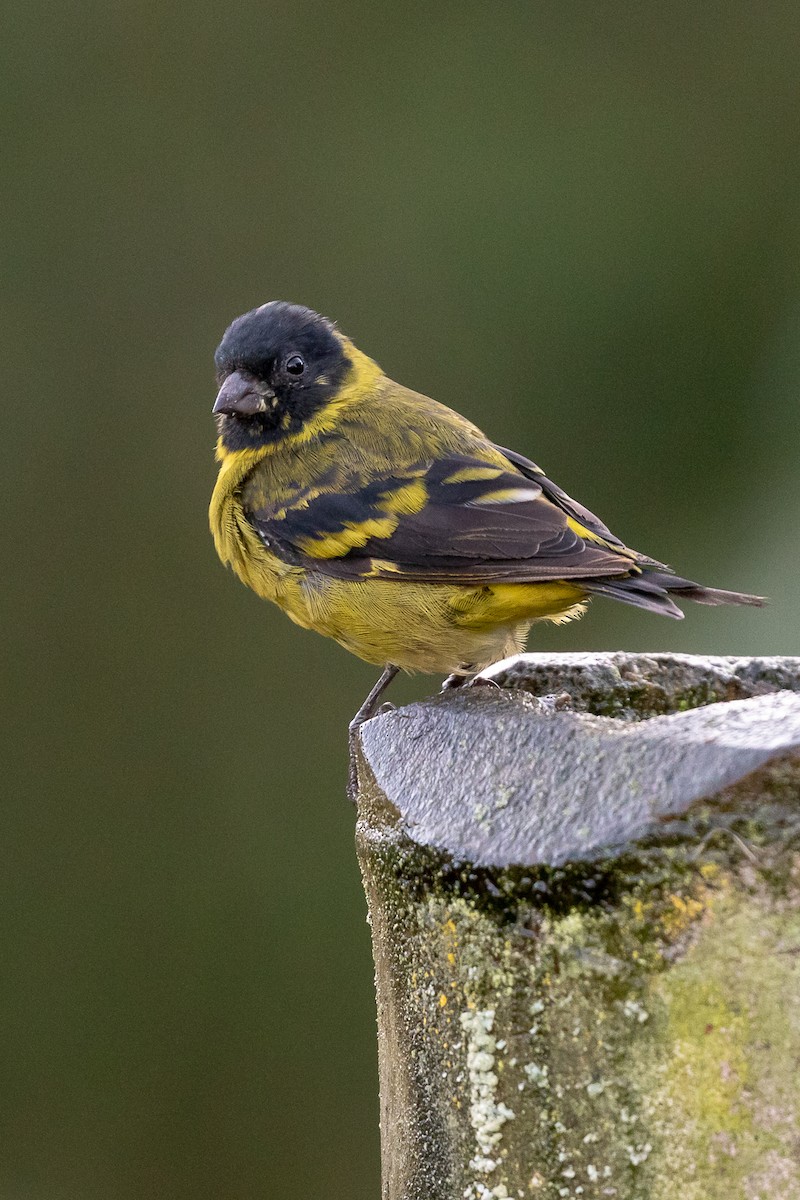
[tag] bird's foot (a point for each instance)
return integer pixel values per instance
(459, 681)
(484, 681)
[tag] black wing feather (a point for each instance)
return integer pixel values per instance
(571, 507)
(559, 497)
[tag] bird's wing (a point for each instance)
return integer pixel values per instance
(592, 527)
(457, 519)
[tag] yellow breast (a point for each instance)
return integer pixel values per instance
(240, 547)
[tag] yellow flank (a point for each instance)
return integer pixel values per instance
(473, 474)
(507, 603)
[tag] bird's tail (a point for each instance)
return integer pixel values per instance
(652, 590)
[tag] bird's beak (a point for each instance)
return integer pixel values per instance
(242, 395)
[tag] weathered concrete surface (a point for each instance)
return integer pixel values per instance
(587, 931)
(637, 686)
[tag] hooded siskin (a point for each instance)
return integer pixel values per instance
(379, 517)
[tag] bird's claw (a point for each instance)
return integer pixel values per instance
(462, 681)
(484, 681)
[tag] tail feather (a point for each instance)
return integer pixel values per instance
(651, 590)
(639, 591)
(686, 589)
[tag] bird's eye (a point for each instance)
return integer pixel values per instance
(295, 364)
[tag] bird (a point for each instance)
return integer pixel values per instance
(389, 522)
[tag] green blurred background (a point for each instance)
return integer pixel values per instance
(579, 224)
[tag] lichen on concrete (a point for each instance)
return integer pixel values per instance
(487, 1114)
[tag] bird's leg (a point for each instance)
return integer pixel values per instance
(370, 704)
(364, 713)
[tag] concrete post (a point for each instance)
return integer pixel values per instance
(586, 931)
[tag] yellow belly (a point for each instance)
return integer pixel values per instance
(429, 627)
